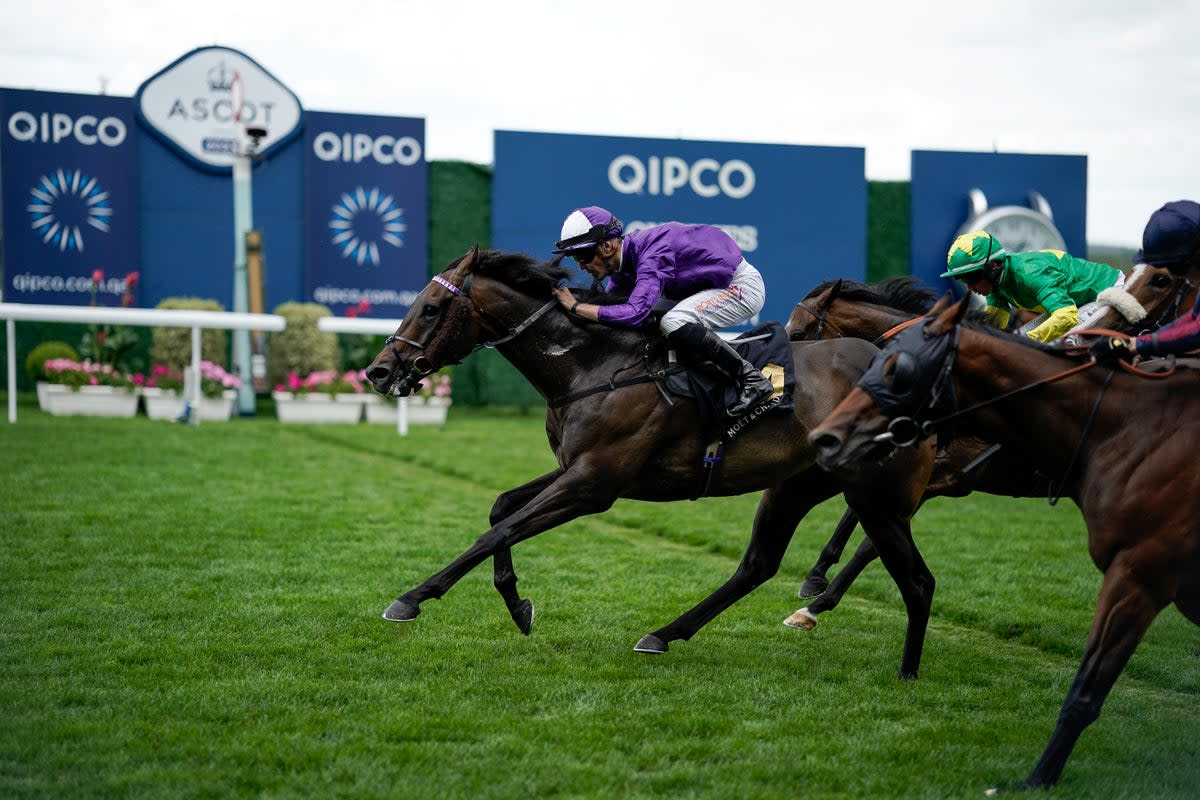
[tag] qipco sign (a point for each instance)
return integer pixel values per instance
(355, 148)
(666, 175)
(201, 105)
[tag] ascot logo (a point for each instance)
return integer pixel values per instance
(201, 105)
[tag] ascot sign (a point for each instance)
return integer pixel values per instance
(201, 105)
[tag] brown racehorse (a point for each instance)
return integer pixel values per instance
(1123, 448)
(615, 435)
(1152, 296)
(1161, 296)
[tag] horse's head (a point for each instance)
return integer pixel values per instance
(907, 386)
(843, 307)
(1151, 298)
(808, 320)
(456, 314)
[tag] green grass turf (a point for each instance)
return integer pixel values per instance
(194, 612)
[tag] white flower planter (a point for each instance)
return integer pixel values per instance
(318, 407)
(431, 412)
(421, 411)
(89, 401)
(167, 404)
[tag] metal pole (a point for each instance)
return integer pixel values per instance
(11, 365)
(195, 387)
(243, 220)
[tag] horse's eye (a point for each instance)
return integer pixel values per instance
(797, 336)
(904, 372)
(429, 311)
(1160, 281)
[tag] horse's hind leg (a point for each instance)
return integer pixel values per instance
(806, 618)
(816, 581)
(1123, 613)
(779, 512)
(504, 577)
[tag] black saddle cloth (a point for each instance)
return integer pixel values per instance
(767, 348)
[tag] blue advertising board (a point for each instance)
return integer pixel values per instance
(187, 228)
(69, 179)
(366, 211)
(797, 212)
(1013, 185)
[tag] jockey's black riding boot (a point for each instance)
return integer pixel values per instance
(753, 387)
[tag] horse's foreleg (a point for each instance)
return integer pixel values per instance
(779, 512)
(572, 494)
(504, 577)
(1123, 613)
(806, 618)
(816, 581)
(892, 536)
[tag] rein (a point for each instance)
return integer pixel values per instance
(657, 376)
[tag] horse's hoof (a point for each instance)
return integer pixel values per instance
(801, 619)
(813, 586)
(650, 644)
(523, 616)
(400, 611)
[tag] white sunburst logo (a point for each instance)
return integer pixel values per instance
(363, 219)
(62, 203)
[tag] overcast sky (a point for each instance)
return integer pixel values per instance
(1116, 81)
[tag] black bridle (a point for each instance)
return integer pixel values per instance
(919, 386)
(422, 366)
(821, 323)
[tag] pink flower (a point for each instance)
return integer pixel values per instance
(97, 275)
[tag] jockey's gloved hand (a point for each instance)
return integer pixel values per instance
(1113, 348)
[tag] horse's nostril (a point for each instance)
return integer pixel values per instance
(826, 443)
(377, 374)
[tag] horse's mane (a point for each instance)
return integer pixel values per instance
(904, 293)
(518, 270)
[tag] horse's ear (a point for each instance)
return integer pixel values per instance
(945, 315)
(467, 262)
(833, 293)
(962, 307)
(942, 304)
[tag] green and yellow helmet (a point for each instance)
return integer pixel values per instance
(971, 252)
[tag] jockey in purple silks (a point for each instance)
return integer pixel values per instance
(1171, 240)
(697, 265)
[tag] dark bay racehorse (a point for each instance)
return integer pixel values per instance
(629, 442)
(1121, 445)
(1152, 296)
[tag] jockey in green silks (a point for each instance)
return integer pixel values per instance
(1054, 284)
